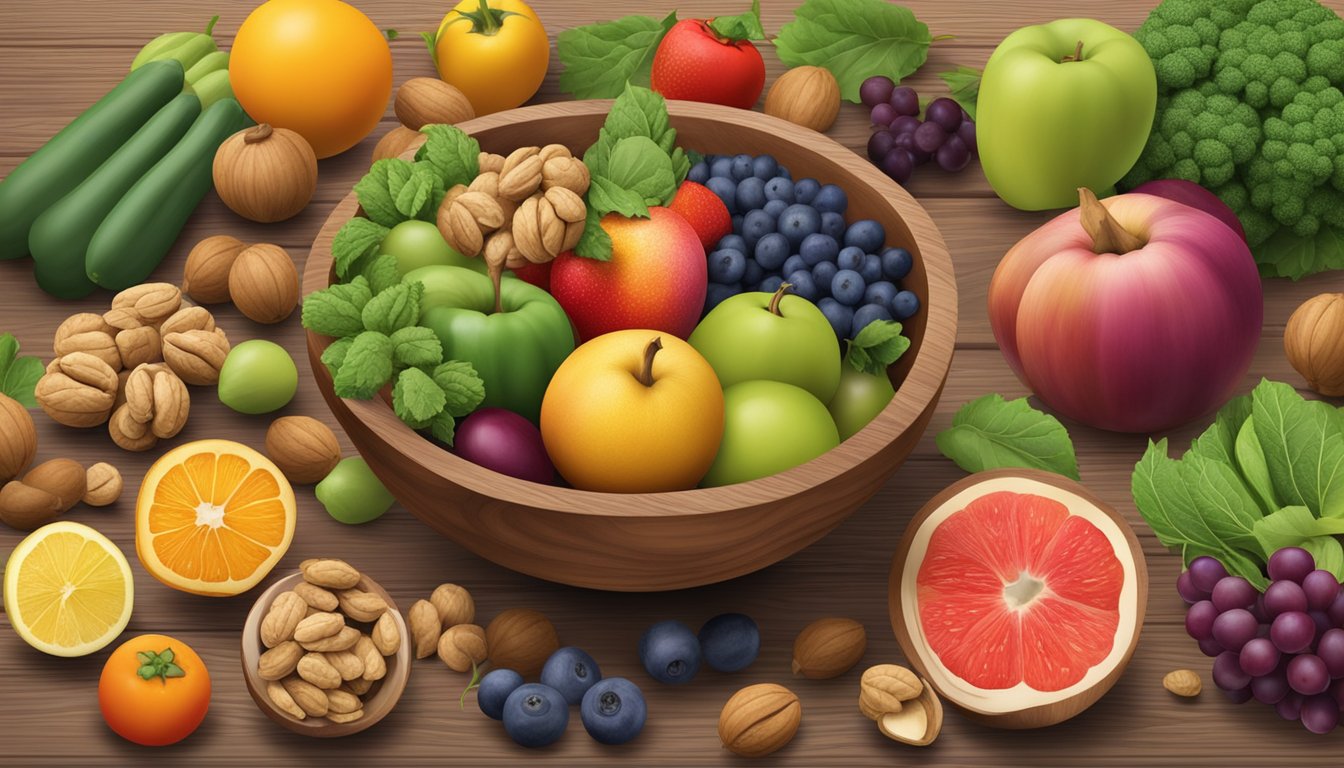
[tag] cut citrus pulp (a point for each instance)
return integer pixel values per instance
(213, 517)
(68, 589)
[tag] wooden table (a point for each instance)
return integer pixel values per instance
(58, 56)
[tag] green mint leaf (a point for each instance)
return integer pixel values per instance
(443, 428)
(1290, 526)
(1293, 256)
(415, 347)
(600, 59)
(606, 196)
(374, 193)
(382, 273)
(1303, 443)
(337, 310)
(636, 112)
(1222, 501)
(746, 26)
(640, 166)
(990, 433)
(453, 154)
(18, 375)
(1250, 459)
(413, 194)
(963, 84)
(416, 399)
(356, 239)
(395, 308)
(595, 243)
(334, 355)
(877, 346)
(854, 39)
(366, 368)
(462, 386)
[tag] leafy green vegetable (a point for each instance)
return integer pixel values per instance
(462, 386)
(854, 39)
(1221, 501)
(877, 346)
(1250, 459)
(600, 59)
(416, 346)
(337, 310)
(453, 154)
(382, 272)
(366, 368)
(963, 83)
(1287, 254)
(746, 26)
(1303, 443)
(1328, 554)
(1290, 526)
(334, 355)
(395, 308)
(376, 194)
(357, 239)
(989, 433)
(18, 375)
(416, 399)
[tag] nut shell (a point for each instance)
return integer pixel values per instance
(462, 647)
(454, 605)
(395, 143)
(138, 346)
(63, 478)
(885, 687)
(206, 277)
(265, 174)
(330, 573)
(1314, 343)
(78, 390)
(264, 283)
(425, 100)
(282, 619)
(18, 438)
(521, 639)
(279, 662)
(759, 719)
(26, 508)
(423, 622)
(97, 343)
(828, 648)
(196, 356)
(145, 304)
(808, 96)
(305, 449)
(918, 722)
(103, 485)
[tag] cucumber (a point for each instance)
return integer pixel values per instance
(77, 151)
(141, 228)
(60, 237)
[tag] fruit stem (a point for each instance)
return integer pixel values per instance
(646, 372)
(778, 297)
(210, 26)
(496, 276)
(1077, 54)
(258, 134)
(1106, 233)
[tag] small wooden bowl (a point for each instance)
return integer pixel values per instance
(659, 541)
(380, 699)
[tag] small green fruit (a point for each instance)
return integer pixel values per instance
(769, 427)
(352, 494)
(258, 376)
(858, 400)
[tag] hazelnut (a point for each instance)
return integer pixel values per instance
(102, 485)
(206, 276)
(305, 449)
(521, 639)
(264, 283)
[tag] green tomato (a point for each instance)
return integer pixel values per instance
(258, 376)
(769, 427)
(352, 494)
(417, 244)
(858, 400)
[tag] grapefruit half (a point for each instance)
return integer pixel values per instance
(1019, 595)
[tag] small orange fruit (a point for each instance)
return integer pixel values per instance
(213, 518)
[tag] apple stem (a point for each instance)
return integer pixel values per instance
(1106, 233)
(496, 276)
(779, 296)
(646, 372)
(1077, 54)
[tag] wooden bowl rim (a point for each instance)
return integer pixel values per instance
(921, 386)
(1039, 715)
(376, 707)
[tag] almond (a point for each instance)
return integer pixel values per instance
(342, 703)
(280, 661)
(311, 699)
(360, 605)
(315, 668)
(385, 635)
(317, 626)
(347, 663)
(359, 686)
(316, 597)
(828, 648)
(454, 605)
(341, 641)
(462, 647)
(1183, 682)
(351, 717)
(280, 697)
(375, 668)
(428, 100)
(425, 628)
(329, 573)
(283, 618)
(759, 719)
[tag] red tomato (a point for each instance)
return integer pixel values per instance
(694, 63)
(154, 690)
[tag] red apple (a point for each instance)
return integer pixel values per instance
(1191, 194)
(655, 280)
(536, 274)
(705, 211)
(694, 62)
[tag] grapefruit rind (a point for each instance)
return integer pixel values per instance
(997, 701)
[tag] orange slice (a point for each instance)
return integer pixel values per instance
(213, 518)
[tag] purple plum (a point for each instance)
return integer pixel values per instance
(505, 442)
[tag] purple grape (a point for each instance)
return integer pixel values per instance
(883, 114)
(1258, 609)
(1284, 596)
(880, 143)
(1186, 589)
(1205, 572)
(1210, 647)
(1320, 714)
(1336, 611)
(1232, 629)
(1322, 622)
(875, 90)
(1271, 688)
(898, 165)
(1292, 632)
(1290, 706)
(945, 112)
(1291, 564)
(904, 124)
(905, 100)
(1199, 620)
(930, 136)
(1233, 592)
(1258, 657)
(966, 132)
(1337, 691)
(953, 155)
(1307, 674)
(1227, 672)
(1321, 589)
(1239, 696)
(1331, 650)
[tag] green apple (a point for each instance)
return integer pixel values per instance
(781, 338)
(417, 244)
(1063, 105)
(769, 427)
(858, 399)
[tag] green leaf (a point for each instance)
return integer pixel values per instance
(416, 346)
(395, 308)
(990, 433)
(963, 84)
(1236, 562)
(1288, 255)
(1219, 441)
(1290, 526)
(1328, 554)
(640, 166)
(1165, 503)
(366, 368)
(382, 273)
(337, 310)
(595, 243)
(147, 672)
(453, 154)
(334, 355)
(413, 196)
(877, 346)
(356, 239)
(746, 26)
(1222, 501)
(854, 39)
(374, 191)
(462, 386)
(606, 196)
(443, 428)
(1303, 442)
(416, 399)
(636, 112)
(18, 375)
(1250, 459)
(600, 59)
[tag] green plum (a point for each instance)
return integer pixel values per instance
(352, 494)
(769, 427)
(858, 400)
(258, 376)
(417, 244)
(776, 337)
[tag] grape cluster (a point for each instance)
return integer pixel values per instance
(1283, 647)
(796, 232)
(901, 142)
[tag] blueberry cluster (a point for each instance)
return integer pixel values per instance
(796, 232)
(902, 142)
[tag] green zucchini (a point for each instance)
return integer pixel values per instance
(60, 237)
(77, 151)
(141, 228)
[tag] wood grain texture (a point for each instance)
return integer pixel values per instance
(58, 56)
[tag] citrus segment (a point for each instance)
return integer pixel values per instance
(213, 517)
(68, 589)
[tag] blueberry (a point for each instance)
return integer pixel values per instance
(779, 188)
(750, 194)
(793, 264)
(775, 207)
(753, 275)
(742, 166)
(896, 263)
(765, 167)
(726, 189)
(784, 171)
(613, 711)
(715, 293)
(732, 242)
(727, 266)
(817, 248)
(801, 280)
(831, 198)
(872, 268)
(535, 715)
(904, 305)
(772, 251)
(798, 221)
(804, 190)
(571, 672)
(833, 224)
(838, 315)
(494, 690)
(721, 167)
(880, 292)
(866, 314)
(866, 234)
(849, 257)
(755, 225)
(737, 222)
(730, 642)
(669, 651)
(847, 287)
(822, 275)
(699, 173)
(770, 284)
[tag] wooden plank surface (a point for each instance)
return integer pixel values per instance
(57, 57)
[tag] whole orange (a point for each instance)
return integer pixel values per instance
(320, 68)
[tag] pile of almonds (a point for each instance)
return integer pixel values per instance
(519, 638)
(317, 663)
(261, 279)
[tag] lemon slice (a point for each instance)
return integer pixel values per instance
(68, 589)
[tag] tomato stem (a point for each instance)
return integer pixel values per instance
(158, 665)
(485, 20)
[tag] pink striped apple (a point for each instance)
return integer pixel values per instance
(1135, 314)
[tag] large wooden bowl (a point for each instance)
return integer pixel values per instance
(659, 541)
